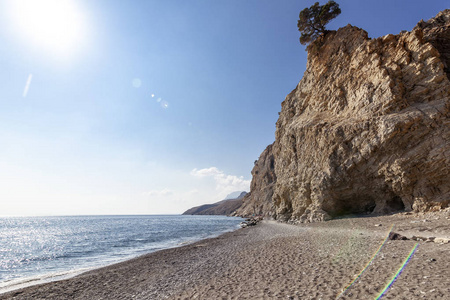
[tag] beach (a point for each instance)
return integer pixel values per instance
(281, 261)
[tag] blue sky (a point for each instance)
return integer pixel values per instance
(150, 107)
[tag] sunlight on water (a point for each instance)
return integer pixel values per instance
(35, 248)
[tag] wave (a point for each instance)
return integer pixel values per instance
(35, 257)
(15, 284)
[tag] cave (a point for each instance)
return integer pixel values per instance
(363, 205)
(395, 204)
(351, 206)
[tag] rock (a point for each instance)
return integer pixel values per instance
(378, 225)
(397, 237)
(365, 131)
(251, 222)
(442, 240)
(418, 238)
(259, 200)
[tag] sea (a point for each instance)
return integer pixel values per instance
(35, 250)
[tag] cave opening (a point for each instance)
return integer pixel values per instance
(395, 204)
(351, 206)
(363, 205)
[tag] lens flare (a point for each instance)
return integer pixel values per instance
(399, 271)
(58, 26)
(27, 85)
(136, 82)
(165, 104)
(367, 265)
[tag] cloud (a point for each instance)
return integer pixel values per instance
(158, 193)
(193, 192)
(213, 171)
(224, 184)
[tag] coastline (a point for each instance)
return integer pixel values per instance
(90, 264)
(275, 260)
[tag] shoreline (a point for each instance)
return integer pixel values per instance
(16, 284)
(276, 260)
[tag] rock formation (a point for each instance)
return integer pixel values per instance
(259, 200)
(366, 130)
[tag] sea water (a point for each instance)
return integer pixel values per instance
(41, 249)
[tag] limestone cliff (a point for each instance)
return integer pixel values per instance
(366, 130)
(259, 200)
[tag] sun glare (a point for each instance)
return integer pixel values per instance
(57, 26)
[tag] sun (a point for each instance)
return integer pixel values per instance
(57, 26)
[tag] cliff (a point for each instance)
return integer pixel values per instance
(224, 207)
(366, 130)
(259, 200)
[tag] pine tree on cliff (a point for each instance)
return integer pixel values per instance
(313, 20)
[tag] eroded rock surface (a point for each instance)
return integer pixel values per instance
(367, 129)
(259, 200)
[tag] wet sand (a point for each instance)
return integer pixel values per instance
(279, 261)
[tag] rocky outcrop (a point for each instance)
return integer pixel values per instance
(366, 130)
(436, 32)
(224, 207)
(259, 200)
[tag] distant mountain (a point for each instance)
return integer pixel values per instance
(235, 195)
(224, 207)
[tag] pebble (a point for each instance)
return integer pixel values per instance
(442, 240)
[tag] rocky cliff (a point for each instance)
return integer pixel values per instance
(259, 200)
(366, 130)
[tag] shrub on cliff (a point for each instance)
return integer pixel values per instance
(313, 20)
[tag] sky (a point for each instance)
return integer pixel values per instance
(150, 107)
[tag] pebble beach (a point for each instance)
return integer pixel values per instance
(349, 258)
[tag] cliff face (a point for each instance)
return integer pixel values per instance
(366, 130)
(259, 200)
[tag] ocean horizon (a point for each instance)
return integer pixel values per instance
(40, 249)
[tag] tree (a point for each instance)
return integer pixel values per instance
(313, 20)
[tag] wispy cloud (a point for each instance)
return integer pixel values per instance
(225, 184)
(158, 193)
(213, 171)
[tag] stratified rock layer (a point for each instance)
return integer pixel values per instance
(367, 129)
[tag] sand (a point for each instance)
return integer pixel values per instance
(279, 261)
